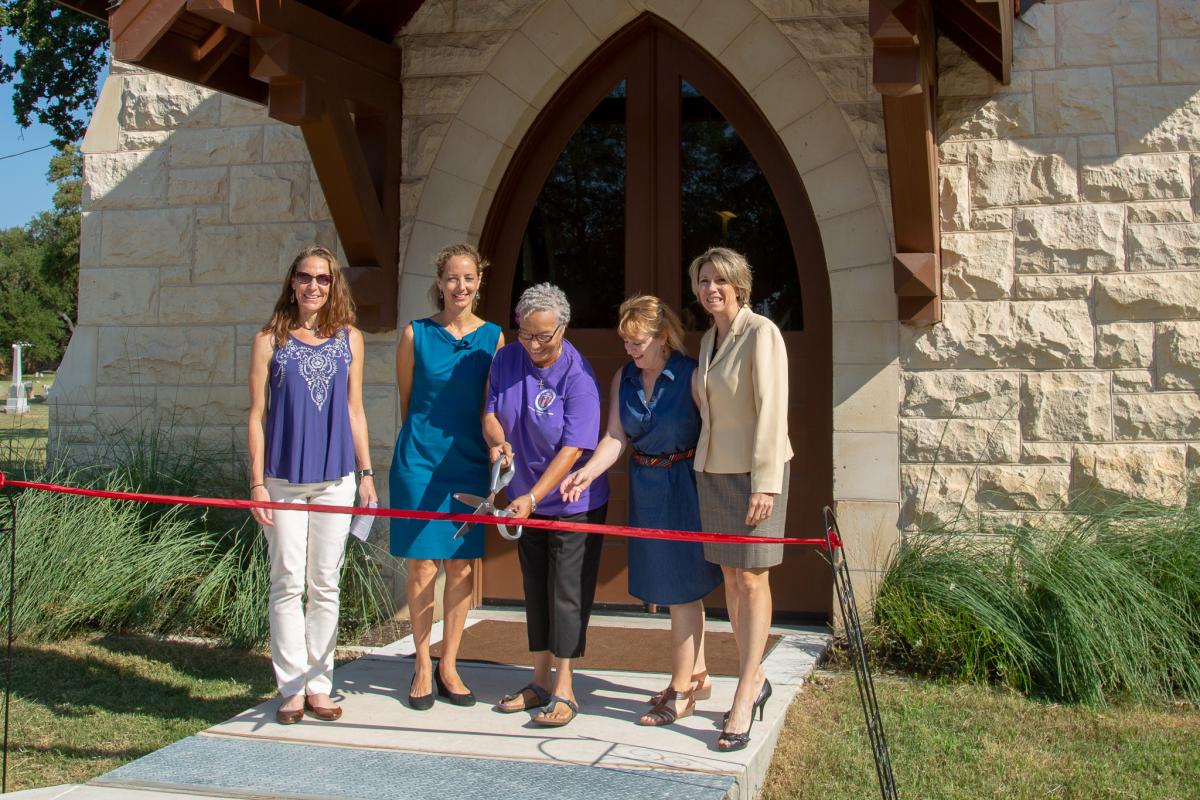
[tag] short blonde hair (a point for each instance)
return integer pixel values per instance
(730, 265)
(443, 258)
(644, 315)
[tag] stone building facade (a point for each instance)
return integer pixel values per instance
(1069, 355)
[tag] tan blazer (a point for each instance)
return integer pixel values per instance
(744, 402)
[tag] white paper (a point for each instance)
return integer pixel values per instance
(360, 528)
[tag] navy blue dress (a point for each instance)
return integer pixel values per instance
(663, 572)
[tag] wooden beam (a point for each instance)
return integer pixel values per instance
(288, 58)
(294, 19)
(138, 25)
(983, 29)
(213, 51)
(903, 72)
(363, 199)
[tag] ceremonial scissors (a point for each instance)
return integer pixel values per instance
(486, 506)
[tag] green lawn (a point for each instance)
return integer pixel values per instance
(85, 706)
(951, 741)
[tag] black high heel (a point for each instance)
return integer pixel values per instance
(423, 702)
(465, 699)
(729, 742)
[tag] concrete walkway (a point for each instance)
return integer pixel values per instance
(383, 749)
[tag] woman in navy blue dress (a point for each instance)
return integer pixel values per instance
(442, 365)
(651, 407)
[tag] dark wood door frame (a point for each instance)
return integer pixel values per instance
(661, 55)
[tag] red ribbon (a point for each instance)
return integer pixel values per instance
(547, 524)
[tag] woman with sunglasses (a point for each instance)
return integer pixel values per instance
(307, 442)
(543, 415)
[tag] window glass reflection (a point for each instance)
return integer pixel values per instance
(727, 201)
(576, 233)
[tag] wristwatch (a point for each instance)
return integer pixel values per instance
(365, 473)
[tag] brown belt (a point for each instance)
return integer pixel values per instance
(664, 460)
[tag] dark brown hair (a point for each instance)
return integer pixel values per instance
(337, 313)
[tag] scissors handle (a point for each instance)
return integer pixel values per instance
(502, 479)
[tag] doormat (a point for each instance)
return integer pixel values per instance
(611, 648)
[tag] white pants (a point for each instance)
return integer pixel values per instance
(307, 550)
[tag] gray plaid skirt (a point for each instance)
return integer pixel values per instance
(724, 499)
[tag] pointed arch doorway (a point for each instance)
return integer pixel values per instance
(648, 154)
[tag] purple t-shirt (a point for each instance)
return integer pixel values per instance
(542, 411)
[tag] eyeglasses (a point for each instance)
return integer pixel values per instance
(540, 338)
(305, 278)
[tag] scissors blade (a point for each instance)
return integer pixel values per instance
(480, 505)
(473, 500)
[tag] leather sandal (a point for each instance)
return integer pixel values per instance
(327, 713)
(508, 703)
(664, 712)
(701, 689)
(546, 718)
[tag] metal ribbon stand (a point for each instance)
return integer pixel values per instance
(858, 658)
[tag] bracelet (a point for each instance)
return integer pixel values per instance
(256, 485)
(532, 503)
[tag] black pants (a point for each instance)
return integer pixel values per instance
(559, 570)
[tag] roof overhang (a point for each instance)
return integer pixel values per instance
(329, 67)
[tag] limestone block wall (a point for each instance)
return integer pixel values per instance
(1069, 359)
(194, 205)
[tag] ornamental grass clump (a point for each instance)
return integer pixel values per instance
(1104, 606)
(86, 563)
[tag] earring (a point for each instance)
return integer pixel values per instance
(293, 296)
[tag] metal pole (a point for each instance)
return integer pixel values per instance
(858, 659)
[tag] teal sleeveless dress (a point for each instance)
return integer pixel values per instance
(440, 449)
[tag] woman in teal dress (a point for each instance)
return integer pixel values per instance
(651, 407)
(442, 366)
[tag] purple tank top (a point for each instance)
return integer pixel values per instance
(308, 417)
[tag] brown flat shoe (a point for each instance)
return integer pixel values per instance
(328, 714)
(289, 717)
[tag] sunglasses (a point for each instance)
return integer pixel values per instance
(305, 278)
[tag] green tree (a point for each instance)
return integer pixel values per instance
(39, 268)
(59, 56)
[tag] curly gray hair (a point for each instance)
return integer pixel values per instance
(544, 297)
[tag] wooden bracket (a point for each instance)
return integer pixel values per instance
(357, 160)
(904, 73)
(918, 280)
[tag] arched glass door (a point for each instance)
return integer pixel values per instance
(647, 156)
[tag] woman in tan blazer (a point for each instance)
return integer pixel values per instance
(741, 463)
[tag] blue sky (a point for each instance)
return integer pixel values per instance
(23, 178)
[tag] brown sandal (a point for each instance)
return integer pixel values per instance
(508, 703)
(701, 689)
(664, 712)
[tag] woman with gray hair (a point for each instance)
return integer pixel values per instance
(542, 415)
